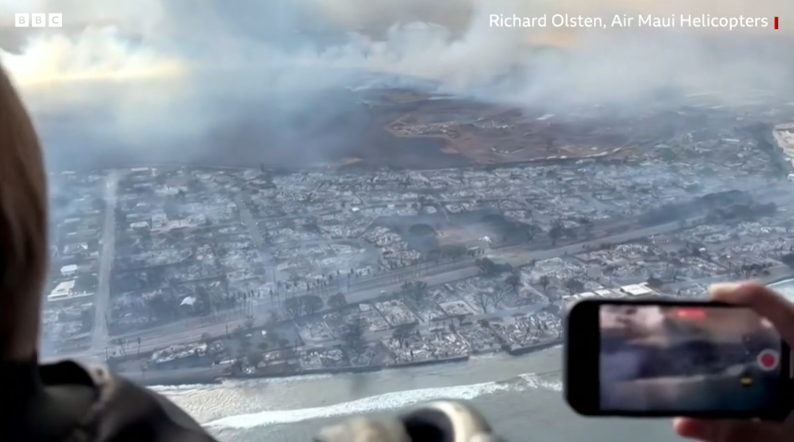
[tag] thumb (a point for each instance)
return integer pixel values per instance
(729, 430)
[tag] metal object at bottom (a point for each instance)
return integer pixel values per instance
(442, 421)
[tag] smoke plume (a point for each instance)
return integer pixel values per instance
(171, 80)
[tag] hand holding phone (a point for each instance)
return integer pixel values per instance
(780, 313)
(668, 358)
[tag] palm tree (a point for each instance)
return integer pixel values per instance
(544, 282)
(556, 231)
(514, 281)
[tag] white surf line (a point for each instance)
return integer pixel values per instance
(381, 402)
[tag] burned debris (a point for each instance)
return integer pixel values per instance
(260, 272)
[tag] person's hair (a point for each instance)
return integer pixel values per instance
(23, 224)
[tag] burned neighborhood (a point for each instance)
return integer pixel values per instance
(212, 271)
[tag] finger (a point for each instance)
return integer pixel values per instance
(764, 301)
(690, 428)
(727, 430)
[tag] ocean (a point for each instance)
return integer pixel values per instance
(522, 396)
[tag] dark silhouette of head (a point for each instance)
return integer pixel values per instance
(23, 226)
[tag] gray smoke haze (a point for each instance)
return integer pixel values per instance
(172, 80)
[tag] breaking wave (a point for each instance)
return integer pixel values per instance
(180, 388)
(237, 383)
(389, 401)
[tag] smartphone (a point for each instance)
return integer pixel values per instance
(660, 358)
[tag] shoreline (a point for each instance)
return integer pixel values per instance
(218, 374)
(780, 280)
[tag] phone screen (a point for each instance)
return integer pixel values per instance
(679, 359)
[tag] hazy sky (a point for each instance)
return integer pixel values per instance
(154, 70)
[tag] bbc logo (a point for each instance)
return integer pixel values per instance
(38, 20)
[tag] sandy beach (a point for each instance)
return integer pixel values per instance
(521, 395)
(512, 391)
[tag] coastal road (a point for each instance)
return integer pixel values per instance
(99, 333)
(190, 330)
